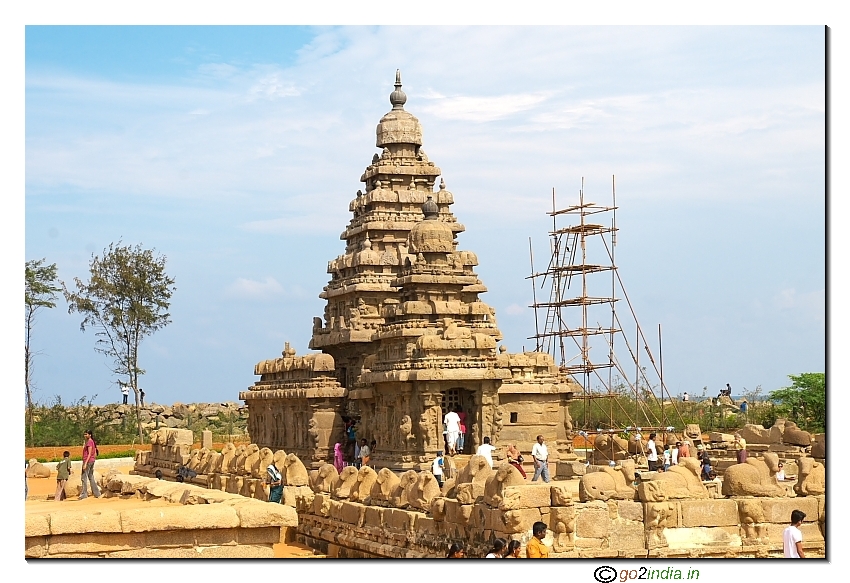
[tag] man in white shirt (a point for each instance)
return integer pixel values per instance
(452, 424)
(674, 454)
(540, 453)
(792, 538)
(486, 450)
(652, 453)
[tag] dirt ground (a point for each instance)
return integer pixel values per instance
(41, 488)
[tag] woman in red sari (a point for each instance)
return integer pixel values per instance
(515, 459)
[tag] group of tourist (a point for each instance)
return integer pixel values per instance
(539, 453)
(63, 471)
(454, 433)
(502, 549)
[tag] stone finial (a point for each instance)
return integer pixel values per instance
(398, 97)
(442, 183)
(430, 209)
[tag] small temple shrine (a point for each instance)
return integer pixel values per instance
(405, 337)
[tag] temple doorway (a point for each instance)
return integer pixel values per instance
(463, 398)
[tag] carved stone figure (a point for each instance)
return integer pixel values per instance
(324, 478)
(475, 473)
(362, 488)
(279, 459)
(751, 515)
(294, 472)
(609, 483)
(505, 475)
(756, 477)
(385, 484)
(562, 521)
(812, 478)
(680, 481)
(399, 496)
(346, 482)
(423, 491)
(406, 430)
(658, 516)
(228, 453)
(609, 447)
(264, 459)
(313, 433)
(252, 458)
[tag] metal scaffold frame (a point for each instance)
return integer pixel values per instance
(568, 261)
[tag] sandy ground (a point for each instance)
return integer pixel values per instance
(42, 488)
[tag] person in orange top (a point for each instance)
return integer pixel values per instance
(535, 549)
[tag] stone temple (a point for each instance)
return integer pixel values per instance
(405, 336)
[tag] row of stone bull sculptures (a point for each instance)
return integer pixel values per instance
(477, 480)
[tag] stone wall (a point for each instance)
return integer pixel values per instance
(194, 523)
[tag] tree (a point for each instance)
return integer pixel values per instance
(125, 300)
(804, 402)
(40, 291)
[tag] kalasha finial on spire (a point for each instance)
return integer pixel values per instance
(397, 97)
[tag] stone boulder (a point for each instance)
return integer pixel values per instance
(819, 446)
(793, 435)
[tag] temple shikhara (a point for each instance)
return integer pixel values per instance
(405, 337)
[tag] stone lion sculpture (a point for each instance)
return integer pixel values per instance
(680, 481)
(346, 481)
(362, 489)
(756, 477)
(812, 478)
(385, 484)
(423, 491)
(324, 478)
(505, 475)
(294, 472)
(609, 483)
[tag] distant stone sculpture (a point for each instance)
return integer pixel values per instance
(252, 458)
(264, 460)
(399, 497)
(294, 472)
(609, 447)
(819, 446)
(472, 479)
(228, 453)
(237, 461)
(385, 484)
(37, 470)
(658, 516)
(279, 459)
(812, 478)
(609, 483)
(751, 515)
(756, 477)
(362, 489)
(793, 435)
(346, 482)
(679, 482)
(423, 491)
(505, 475)
(323, 479)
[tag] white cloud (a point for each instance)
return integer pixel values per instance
(249, 289)
(273, 86)
(515, 310)
(806, 305)
(481, 108)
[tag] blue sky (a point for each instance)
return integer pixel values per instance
(234, 151)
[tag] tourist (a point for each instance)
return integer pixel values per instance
(497, 550)
(365, 453)
(125, 392)
(275, 481)
(452, 424)
(142, 397)
(486, 450)
(674, 454)
(685, 449)
(372, 445)
(668, 457)
(356, 454)
(513, 549)
(461, 437)
(705, 461)
(89, 457)
(437, 468)
(535, 549)
(652, 453)
(456, 551)
(740, 448)
(780, 475)
(540, 454)
(515, 459)
(792, 538)
(685, 397)
(63, 472)
(339, 459)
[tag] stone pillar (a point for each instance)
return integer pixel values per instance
(206, 439)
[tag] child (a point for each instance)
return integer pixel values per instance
(63, 472)
(437, 468)
(667, 457)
